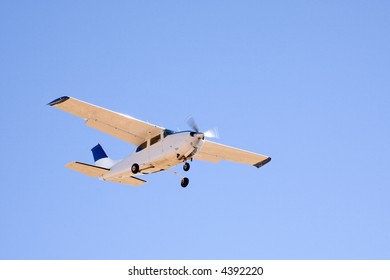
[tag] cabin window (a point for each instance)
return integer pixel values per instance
(154, 140)
(168, 132)
(142, 146)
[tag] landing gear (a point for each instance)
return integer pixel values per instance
(186, 166)
(184, 182)
(135, 168)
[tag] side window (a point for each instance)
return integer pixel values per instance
(154, 140)
(142, 146)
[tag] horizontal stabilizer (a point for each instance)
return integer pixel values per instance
(87, 169)
(133, 181)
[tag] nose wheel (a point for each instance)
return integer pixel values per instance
(186, 166)
(184, 182)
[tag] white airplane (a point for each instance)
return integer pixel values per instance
(158, 149)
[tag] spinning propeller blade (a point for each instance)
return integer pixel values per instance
(211, 133)
(191, 122)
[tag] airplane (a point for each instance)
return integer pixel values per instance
(157, 148)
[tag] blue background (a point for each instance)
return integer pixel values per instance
(305, 82)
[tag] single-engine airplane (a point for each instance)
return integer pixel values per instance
(157, 149)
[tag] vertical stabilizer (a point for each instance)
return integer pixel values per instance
(98, 153)
(101, 158)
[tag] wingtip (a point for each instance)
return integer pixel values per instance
(58, 100)
(262, 163)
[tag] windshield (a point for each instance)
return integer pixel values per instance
(168, 132)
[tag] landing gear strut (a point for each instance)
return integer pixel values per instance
(186, 166)
(184, 182)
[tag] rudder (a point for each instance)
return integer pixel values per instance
(98, 153)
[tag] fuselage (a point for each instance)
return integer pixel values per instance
(160, 153)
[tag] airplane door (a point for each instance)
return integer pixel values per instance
(155, 149)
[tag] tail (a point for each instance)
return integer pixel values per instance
(101, 158)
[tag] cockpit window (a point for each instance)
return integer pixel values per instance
(154, 140)
(142, 146)
(168, 132)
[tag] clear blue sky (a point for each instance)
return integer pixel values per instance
(305, 82)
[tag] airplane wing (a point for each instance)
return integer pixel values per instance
(118, 125)
(215, 152)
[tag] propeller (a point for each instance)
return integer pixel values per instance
(192, 123)
(211, 133)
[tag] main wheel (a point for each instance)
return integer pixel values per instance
(184, 182)
(186, 166)
(135, 168)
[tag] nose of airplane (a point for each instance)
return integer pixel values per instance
(200, 136)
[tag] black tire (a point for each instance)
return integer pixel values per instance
(186, 166)
(184, 182)
(135, 168)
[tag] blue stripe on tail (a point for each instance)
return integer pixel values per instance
(98, 153)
